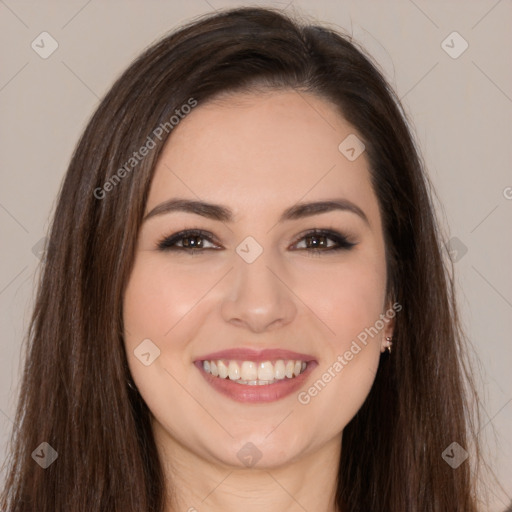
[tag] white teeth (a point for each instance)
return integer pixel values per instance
(248, 371)
(223, 369)
(233, 371)
(255, 374)
(265, 371)
(279, 370)
(288, 370)
(255, 382)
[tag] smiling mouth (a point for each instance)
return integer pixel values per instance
(256, 381)
(251, 373)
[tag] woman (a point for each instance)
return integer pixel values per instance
(244, 300)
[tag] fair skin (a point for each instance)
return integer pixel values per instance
(256, 154)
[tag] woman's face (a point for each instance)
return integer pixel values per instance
(256, 285)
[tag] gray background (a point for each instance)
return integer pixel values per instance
(461, 111)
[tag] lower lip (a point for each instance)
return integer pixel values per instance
(257, 393)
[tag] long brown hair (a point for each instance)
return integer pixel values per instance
(74, 392)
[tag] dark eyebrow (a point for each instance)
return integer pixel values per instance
(224, 214)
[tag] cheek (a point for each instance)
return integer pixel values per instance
(160, 304)
(347, 297)
(158, 297)
(349, 300)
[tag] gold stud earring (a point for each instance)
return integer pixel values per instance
(389, 341)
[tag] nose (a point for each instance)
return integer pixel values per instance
(258, 297)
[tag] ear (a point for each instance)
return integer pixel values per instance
(388, 317)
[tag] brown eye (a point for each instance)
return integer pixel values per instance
(322, 240)
(190, 241)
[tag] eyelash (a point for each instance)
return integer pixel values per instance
(168, 243)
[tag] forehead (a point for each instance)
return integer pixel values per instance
(262, 151)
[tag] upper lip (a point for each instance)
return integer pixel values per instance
(247, 354)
